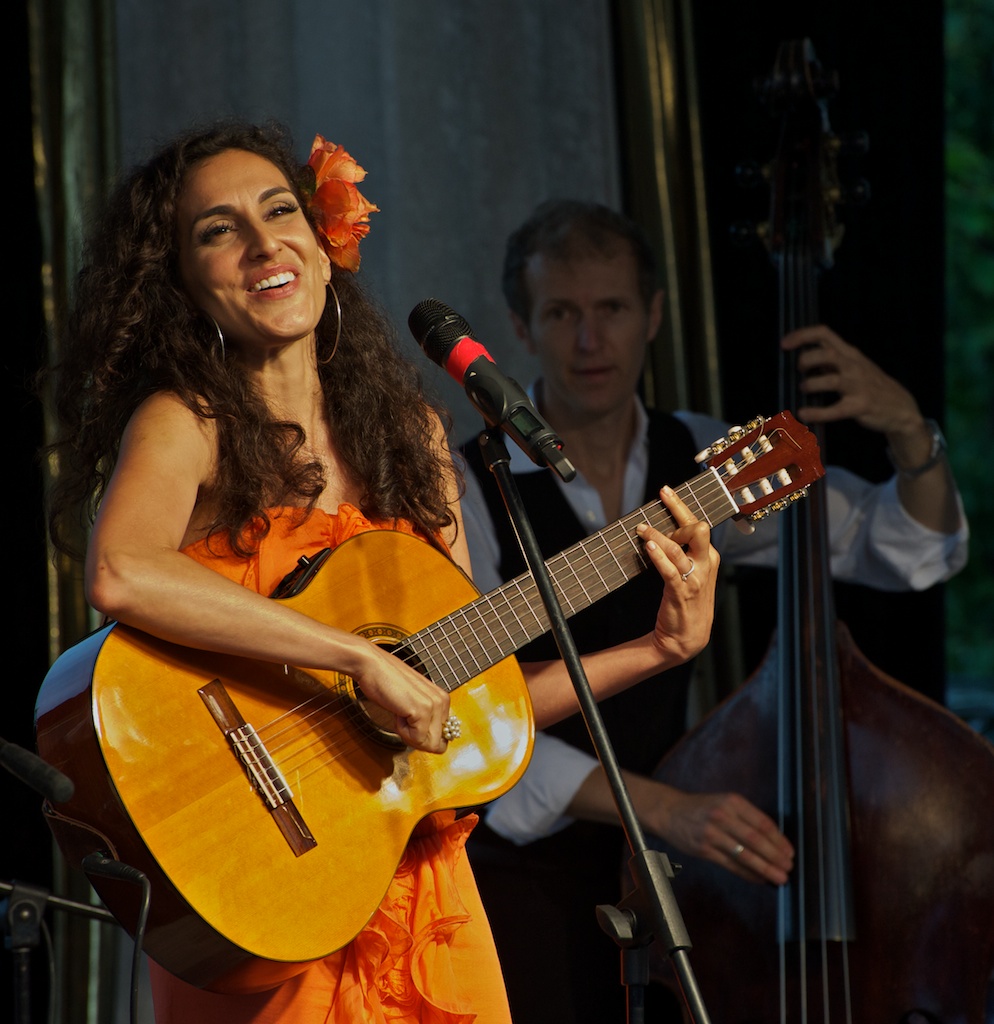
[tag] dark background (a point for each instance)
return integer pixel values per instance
(25, 849)
(884, 294)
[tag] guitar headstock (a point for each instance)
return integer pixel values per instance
(766, 465)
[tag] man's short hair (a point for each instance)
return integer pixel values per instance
(569, 229)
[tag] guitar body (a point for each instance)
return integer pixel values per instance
(159, 786)
(269, 807)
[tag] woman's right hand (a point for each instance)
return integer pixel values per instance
(418, 707)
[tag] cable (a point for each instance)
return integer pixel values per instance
(106, 867)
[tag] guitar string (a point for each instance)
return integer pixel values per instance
(566, 564)
(295, 762)
(460, 668)
(345, 699)
(319, 737)
(292, 734)
(430, 636)
(329, 699)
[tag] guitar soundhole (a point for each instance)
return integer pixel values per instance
(370, 717)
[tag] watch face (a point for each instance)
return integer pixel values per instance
(934, 455)
(938, 440)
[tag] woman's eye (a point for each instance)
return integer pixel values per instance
(280, 209)
(212, 231)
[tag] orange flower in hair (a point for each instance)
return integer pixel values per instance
(340, 211)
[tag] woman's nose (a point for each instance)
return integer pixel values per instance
(263, 242)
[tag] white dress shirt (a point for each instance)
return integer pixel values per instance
(872, 540)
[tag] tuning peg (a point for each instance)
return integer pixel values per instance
(826, 83)
(856, 194)
(744, 233)
(749, 173)
(854, 143)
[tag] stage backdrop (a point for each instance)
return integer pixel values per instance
(465, 116)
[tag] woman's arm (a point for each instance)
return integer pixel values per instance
(136, 572)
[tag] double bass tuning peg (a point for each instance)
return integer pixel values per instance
(749, 173)
(855, 143)
(744, 233)
(856, 194)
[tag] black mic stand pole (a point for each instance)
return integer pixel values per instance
(650, 911)
(22, 911)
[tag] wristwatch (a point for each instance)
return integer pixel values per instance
(936, 452)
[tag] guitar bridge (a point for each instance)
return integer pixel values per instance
(265, 777)
(259, 765)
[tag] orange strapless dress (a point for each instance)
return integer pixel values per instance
(426, 955)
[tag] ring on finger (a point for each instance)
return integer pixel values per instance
(684, 575)
(737, 850)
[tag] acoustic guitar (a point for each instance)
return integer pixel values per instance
(269, 807)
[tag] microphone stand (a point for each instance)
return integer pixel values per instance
(22, 912)
(650, 912)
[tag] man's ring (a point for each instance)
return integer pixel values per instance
(451, 729)
(737, 850)
(684, 575)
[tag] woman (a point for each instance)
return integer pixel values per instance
(222, 416)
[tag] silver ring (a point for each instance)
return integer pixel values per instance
(684, 575)
(452, 729)
(737, 850)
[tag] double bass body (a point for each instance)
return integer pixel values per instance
(921, 848)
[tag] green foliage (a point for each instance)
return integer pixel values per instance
(970, 325)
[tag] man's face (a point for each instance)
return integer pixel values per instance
(589, 327)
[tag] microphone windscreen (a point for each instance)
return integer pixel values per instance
(436, 328)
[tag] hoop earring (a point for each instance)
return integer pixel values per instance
(220, 335)
(338, 327)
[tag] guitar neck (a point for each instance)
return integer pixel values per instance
(467, 642)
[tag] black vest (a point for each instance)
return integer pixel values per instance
(644, 721)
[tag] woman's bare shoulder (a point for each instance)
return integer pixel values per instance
(165, 420)
(165, 439)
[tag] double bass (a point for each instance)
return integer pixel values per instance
(888, 917)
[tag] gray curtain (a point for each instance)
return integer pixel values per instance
(465, 115)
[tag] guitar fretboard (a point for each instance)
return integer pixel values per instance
(477, 636)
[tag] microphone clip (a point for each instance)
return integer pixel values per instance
(504, 404)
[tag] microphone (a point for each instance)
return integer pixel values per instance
(36, 773)
(447, 339)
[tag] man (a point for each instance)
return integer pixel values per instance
(580, 283)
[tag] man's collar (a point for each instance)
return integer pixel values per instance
(521, 463)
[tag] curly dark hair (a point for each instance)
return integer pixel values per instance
(568, 229)
(132, 332)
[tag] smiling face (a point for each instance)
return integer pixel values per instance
(247, 255)
(589, 326)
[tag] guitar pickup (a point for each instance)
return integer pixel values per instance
(265, 777)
